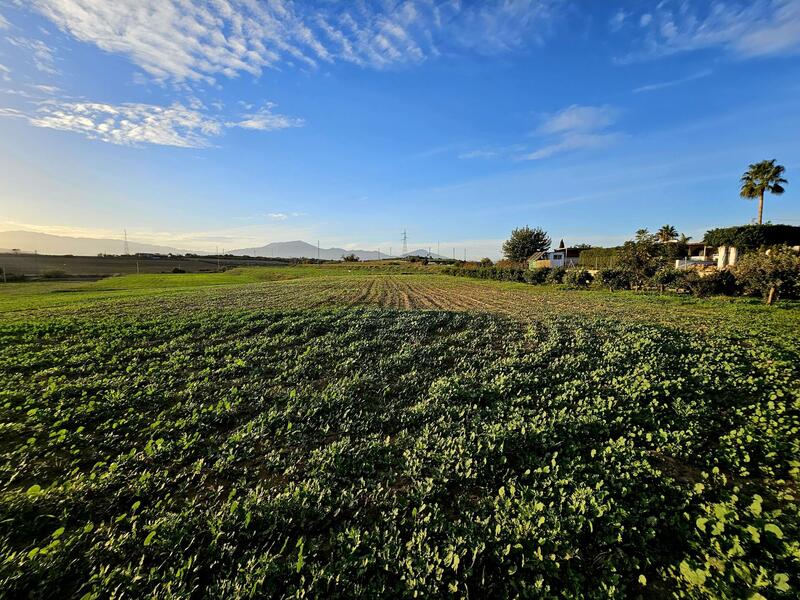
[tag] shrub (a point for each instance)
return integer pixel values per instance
(486, 262)
(614, 278)
(556, 275)
(353, 258)
(718, 282)
(641, 258)
(54, 274)
(578, 278)
(537, 276)
(771, 274)
(668, 278)
(178, 270)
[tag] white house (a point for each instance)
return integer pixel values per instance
(558, 257)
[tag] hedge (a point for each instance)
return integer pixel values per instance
(753, 237)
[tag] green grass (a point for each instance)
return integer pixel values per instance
(388, 432)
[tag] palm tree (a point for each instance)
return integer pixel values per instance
(667, 233)
(761, 177)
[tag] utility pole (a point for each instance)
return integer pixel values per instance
(454, 253)
(438, 250)
(390, 251)
(317, 249)
(127, 251)
(137, 266)
(216, 249)
(3, 268)
(405, 242)
(465, 255)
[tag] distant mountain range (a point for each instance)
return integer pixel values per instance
(300, 249)
(45, 243)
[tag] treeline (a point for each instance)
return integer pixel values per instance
(772, 274)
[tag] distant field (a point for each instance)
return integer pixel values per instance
(381, 430)
(37, 265)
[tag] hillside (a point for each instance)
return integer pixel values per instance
(300, 249)
(45, 243)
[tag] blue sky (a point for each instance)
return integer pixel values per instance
(234, 123)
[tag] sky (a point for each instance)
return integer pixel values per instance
(234, 123)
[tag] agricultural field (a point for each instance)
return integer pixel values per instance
(388, 431)
(44, 265)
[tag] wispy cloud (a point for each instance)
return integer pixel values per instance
(280, 216)
(478, 154)
(3, 22)
(744, 29)
(43, 55)
(578, 119)
(265, 120)
(574, 141)
(575, 128)
(667, 84)
(5, 73)
(618, 20)
(197, 41)
(141, 124)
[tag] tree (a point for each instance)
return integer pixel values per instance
(772, 274)
(525, 242)
(667, 233)
(641, 258)
(350, 258)
(761, 177)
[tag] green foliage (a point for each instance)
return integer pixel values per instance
(669, 278)
(641, 258)
(525, 242)
(667, 233)
(350, 258)
(753, 237)
(779, 270)
(760, 178)
(384, 453)
(614, 278)
(599, 258)
(556, 275)
(710, 284)
(578, 278)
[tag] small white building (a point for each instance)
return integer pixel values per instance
(558, 257)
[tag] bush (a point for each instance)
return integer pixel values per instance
(537, 276)
(579, 278)
(556, 275)
(178, 270)
(716, 283)
(54, 274)
(486, 262)
(614, 278)
(352, 258)
(771, 274)
(669, 278)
